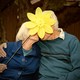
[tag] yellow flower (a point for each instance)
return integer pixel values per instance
(40, 23)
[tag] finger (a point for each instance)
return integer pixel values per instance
(2, 55)
(2, 52)
(3, 67)
(1, 71)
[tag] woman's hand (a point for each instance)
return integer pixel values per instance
(2, 52)
(34, 38)
(2, 67)
(30, 41)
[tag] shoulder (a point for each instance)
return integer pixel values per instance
(72, 40)
(12, 46)
(36, 46)
(70, 37)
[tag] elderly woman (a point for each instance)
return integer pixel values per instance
(25, 63)
(60, 53)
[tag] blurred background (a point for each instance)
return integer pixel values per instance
(13, 14)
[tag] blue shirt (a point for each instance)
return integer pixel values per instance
(21, 67)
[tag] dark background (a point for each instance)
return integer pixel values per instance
(13, 14)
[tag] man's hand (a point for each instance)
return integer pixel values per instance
(2, 52)
(2, 67)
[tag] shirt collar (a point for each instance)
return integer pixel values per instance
(62, 35)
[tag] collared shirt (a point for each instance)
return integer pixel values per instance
(62, 35)
(26, 52)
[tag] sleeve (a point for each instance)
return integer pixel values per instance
(75, 60)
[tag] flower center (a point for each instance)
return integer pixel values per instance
(40, 22)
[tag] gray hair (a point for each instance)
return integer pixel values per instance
(54, 17)
(23, 33)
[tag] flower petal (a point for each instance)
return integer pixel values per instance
(30, 24)
(33, 30)
(48, 29)
(52, 21)
(40, 22)
(31, 16)
(41, 33)
(38, 11)
(47, 14)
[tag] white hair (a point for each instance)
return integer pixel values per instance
(54, 17)
(23, 32)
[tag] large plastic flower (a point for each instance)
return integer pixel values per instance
(40, 23)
